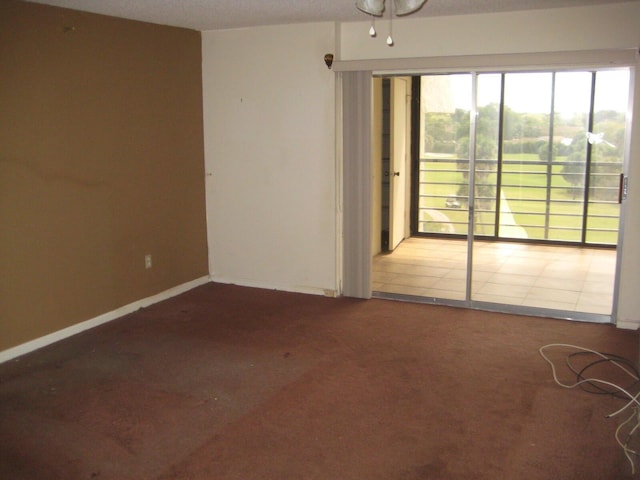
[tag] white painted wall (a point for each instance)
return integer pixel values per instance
(269, 126)
(559, 29)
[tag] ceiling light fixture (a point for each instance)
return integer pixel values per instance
(376, 8)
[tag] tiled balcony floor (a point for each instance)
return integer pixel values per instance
(556, 277)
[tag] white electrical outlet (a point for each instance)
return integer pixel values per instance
(148, 263)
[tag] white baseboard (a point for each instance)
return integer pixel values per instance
(40, 342)
(628, 324)
(272, 286)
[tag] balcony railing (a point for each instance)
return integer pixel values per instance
(535, 200)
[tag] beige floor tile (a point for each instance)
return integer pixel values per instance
(522, 269)
(592, 277)
(513, 279)
(418, 281)
(572, 284)
(490, 269)
(452, 284)
(384, 277)
(601, 288)
(459, 273)
(483, 297)
(594, 303)
(446, 294)
(405, 290)
(555, 277)
(515, 291)
(553, 295)
(598, 299)
(565, 270)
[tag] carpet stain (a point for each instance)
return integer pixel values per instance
(430, 471)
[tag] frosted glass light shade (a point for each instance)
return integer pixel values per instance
(405, 7)
(372, 7)
(402, 7)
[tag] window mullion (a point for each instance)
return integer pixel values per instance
(587, 173)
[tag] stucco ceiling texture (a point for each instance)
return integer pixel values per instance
(223, 14)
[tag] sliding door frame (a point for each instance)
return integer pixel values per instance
(356, 147)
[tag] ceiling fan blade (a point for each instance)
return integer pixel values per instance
(372, 7)
(405, 7)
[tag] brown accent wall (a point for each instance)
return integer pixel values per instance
(101, 162)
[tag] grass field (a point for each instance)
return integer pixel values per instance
(542, 203)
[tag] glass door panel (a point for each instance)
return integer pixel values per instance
(443, 183)
(561, 149)
(525, 166)
(606, 141)
(520, 169)
(486, 258)
(487, 146)
(566, 183)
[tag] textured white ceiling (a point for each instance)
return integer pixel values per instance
(221, 14)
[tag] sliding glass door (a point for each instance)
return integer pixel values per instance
(522, 170)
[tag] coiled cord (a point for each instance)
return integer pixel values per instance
(604, 387)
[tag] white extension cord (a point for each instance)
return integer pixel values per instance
(633, 400)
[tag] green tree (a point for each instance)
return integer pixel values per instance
(512, 128)
(440, 127)
(535, 125)
(486, 150)
(573, 173)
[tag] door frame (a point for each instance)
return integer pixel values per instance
(356, 141)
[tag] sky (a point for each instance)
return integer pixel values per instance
(531, 92)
